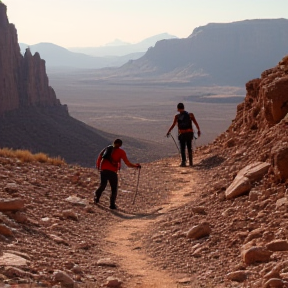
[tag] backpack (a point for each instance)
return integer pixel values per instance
(108, 153)
(184, 121)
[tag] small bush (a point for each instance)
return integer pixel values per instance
(57, 161)
(6, 152)
(26, 156)
(41, 157)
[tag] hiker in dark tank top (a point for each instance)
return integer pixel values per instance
(185, 132)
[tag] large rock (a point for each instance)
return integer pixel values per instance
(238, 276)
(106, 262)
(276, 98)
(6, 231)
(11, 204)
(280, 161)
(9, 259)
(65, 280)
(256, 254)
(274, 283)
(278, 245)
(199, 231)
(245, 177)
(113, 282)
(255, 171)
(239, 186)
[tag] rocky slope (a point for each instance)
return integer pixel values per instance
(220, 54)
(233, 233)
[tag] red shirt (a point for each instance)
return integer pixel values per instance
(115, 164)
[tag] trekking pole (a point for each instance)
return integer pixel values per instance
(175, 143)
(136, 187)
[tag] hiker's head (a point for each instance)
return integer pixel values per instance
(180, 107)
(117, 143)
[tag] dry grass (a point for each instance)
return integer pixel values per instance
(26, 156)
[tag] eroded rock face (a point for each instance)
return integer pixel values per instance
(23, 79)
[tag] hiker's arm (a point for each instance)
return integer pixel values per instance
(173, 125)
(129, 164)
(193, 119)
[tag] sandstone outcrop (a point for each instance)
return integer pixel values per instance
(23, 79)
(244, 179)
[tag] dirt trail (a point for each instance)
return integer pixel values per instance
(125, 238)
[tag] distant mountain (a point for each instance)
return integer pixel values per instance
(57, 56)
(121, 50)
(117, 42)
(221, 54)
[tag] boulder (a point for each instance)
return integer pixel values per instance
(282, 201)
(238, 276)
(274, 283)
(13, 272)
(9, 259)
(11, 188)
(11, 204)
(77, 270)
(280, 161)
(239, 186)
(278, 245)
(6, 231)
(106, 262)
(256, 254)
(58, 239)
(19, 217)
(246, 176)
(255, 171)
(77, 201)
(63, 278)
(70, 214)
(199, 231)
(113, 282)
(199, 210)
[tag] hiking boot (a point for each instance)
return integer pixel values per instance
(113, 207)
(183, 164)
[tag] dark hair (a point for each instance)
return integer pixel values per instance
(180, 106)
(118, 141)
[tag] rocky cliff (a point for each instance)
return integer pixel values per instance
(218, 53)
(23, 79)
(31, 117)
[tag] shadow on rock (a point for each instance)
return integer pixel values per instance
(210, 162)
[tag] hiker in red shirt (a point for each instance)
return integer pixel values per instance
(108, 163)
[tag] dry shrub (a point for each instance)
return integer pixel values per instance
(24, 156)
(57, 161)
(6, 152)
(41, 157)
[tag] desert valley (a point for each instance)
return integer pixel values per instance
(220, 223)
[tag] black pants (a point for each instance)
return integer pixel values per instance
(112, 177)
(185, 139)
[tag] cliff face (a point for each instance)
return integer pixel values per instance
(221, 54)
(23, 79)
(259, 131)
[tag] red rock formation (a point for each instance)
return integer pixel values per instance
(23, 80)
(259, 130)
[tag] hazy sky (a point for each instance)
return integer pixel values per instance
(76, 23)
